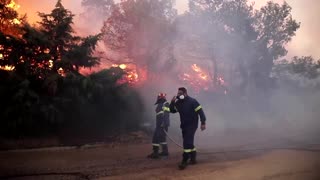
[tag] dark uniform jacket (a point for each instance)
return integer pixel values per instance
(162, 113)
(189, 110)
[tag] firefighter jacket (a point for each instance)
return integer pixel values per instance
(162, 114)
(189, 110)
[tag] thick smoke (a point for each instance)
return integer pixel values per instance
(284, 114)
(305, 43)
(281, 114)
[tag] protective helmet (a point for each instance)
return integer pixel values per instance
(161, 97)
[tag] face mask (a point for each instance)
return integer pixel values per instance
(181, 97)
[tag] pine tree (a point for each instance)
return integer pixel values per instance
(9, 18)
(68, 51)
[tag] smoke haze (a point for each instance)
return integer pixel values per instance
(306, 12)
(288, 115)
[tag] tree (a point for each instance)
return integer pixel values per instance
(101, 7)
(9, 18)
(68, 51)
(141, 32)
(36, 99)
(276, 28)
(305, 66)
(245, 41)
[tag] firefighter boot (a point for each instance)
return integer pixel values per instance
(184, 162)
(193, 157)
(155, 153)
(164, 152)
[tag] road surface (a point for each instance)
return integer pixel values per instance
(128, 161)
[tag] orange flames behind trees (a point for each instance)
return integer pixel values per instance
(194, 77)
(5, 27)
(134, 75)
(15, 7)
(197, 78)
(201, 80)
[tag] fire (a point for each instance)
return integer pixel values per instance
(13, 5)
(47, 51)
(122, 66)
(196, 68)
(197, 78)
(131, 73)
(203, 76)
(61, 72)
(50, 63)
(200, 80)
(16, 21)
(7, 68)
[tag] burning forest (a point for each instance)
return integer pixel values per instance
(147, 44)
(93, 74)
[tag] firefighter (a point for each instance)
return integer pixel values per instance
(162, 124)
(189, 110)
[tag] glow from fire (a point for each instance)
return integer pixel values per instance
(203, 75)
(13, 5)
(16, 21)
(131, 76)
(122, 66)
(196, 68)
(50, 63)
(47, 51)
(7, 68)
(61, 72)
(197, 78)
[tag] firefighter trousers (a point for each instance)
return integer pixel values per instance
(188, 142)
(159, 136)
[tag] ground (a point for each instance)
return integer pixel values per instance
(267, 160)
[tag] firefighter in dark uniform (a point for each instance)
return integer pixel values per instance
(189, 110)
(162, 124)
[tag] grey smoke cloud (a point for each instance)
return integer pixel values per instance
(306, 12)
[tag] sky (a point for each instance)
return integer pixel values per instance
(307, 12)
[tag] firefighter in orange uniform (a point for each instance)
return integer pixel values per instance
(162, 124)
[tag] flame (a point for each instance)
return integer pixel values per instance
(197, 78)
(16, 21)
(13, 5)
(134, 74)
(122, 66)
(46, 51)
(203, 76)
(131, 76)
(50, 63)
(196, 68)
(7, 68)
(61, 72)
